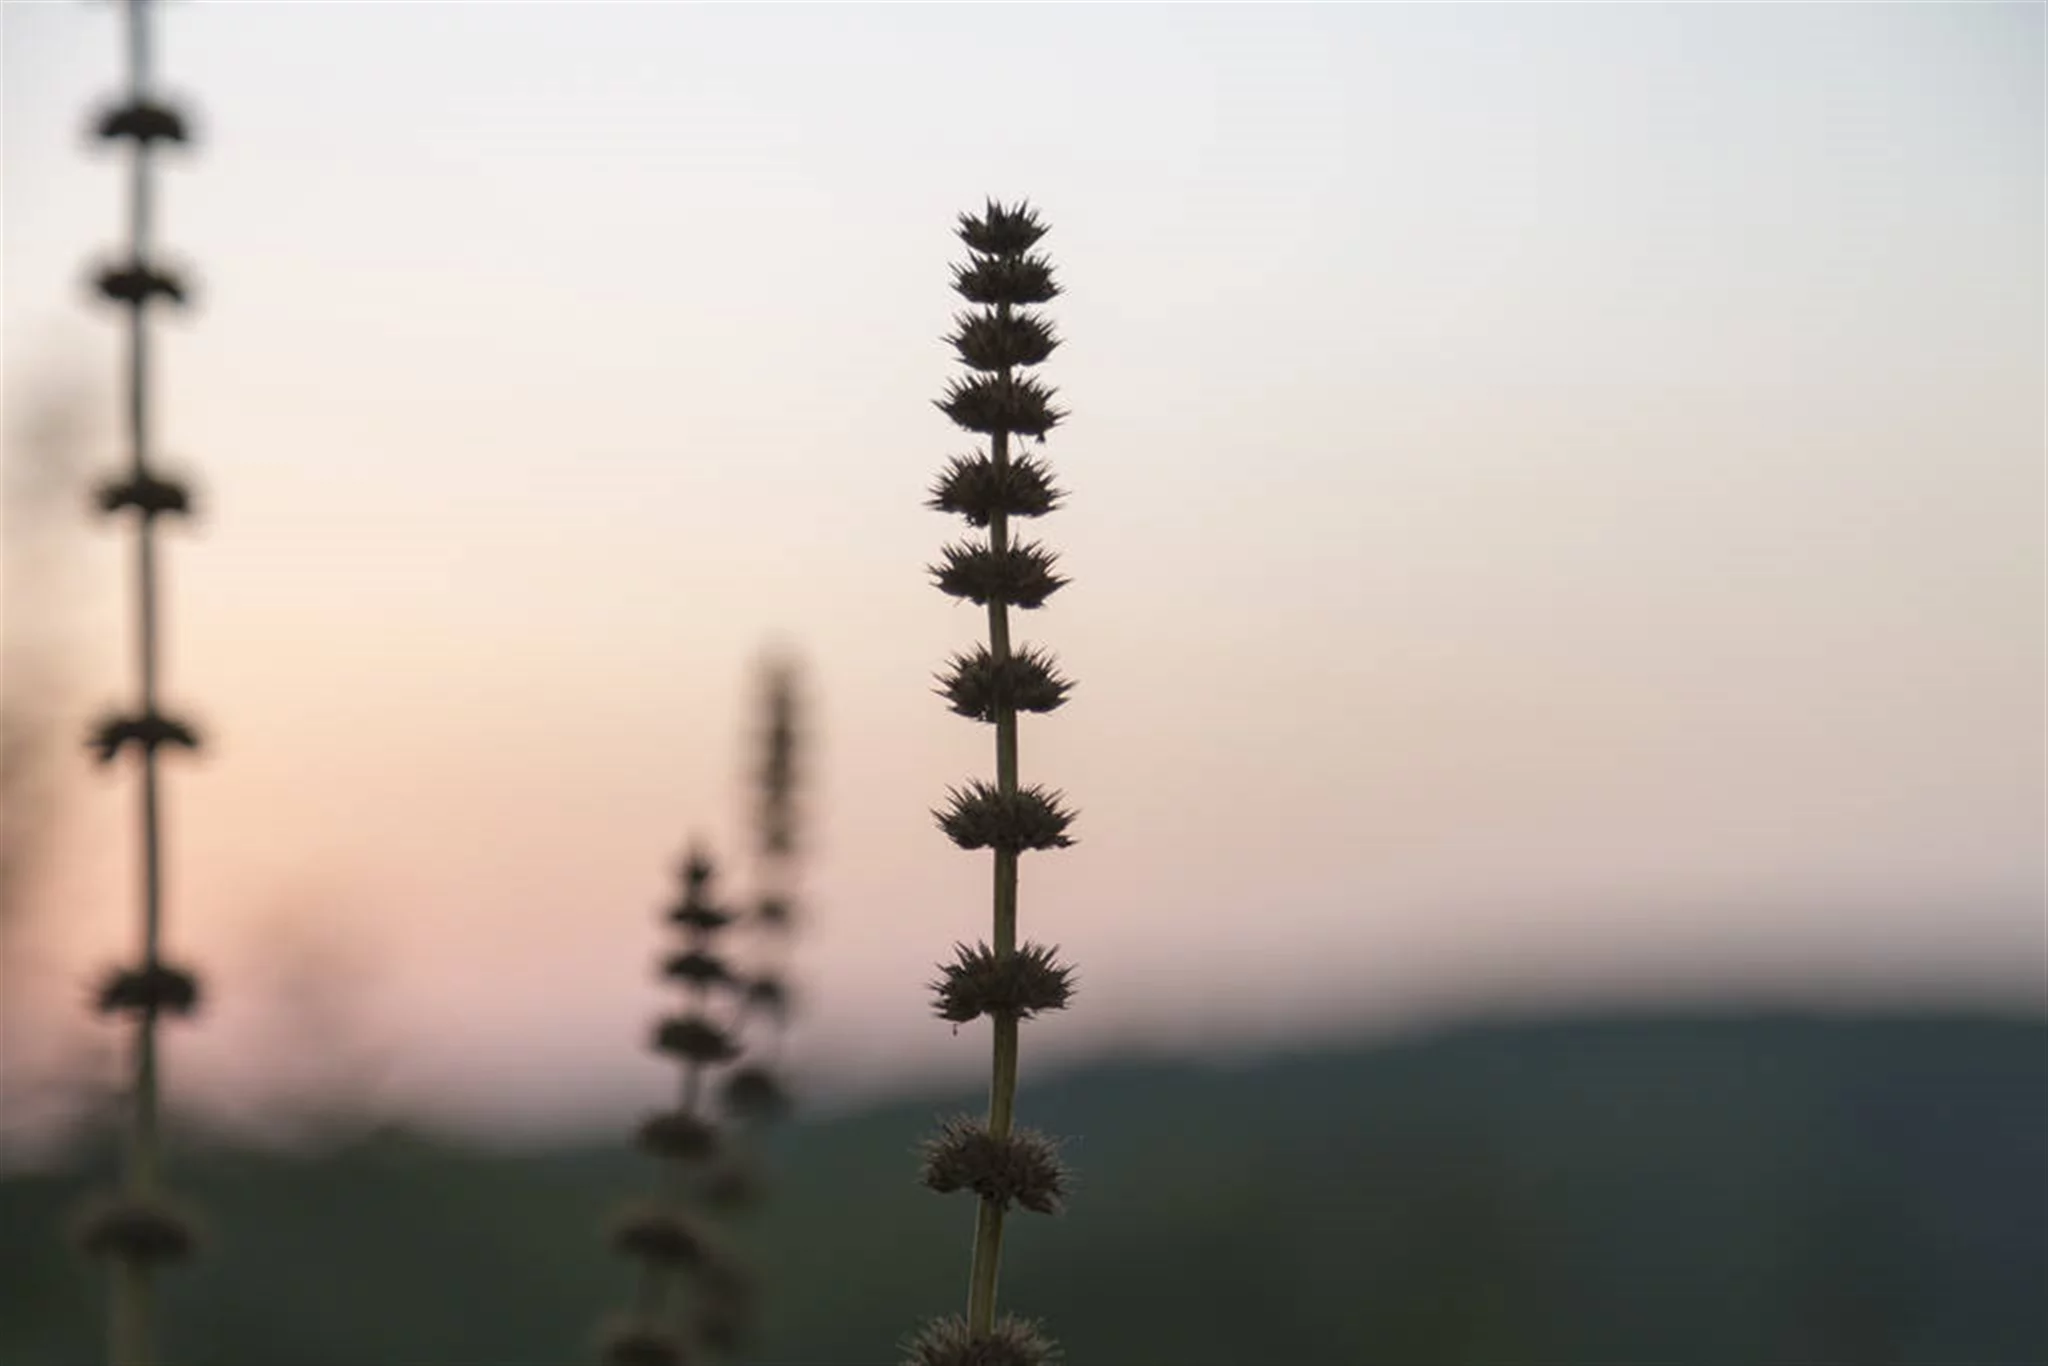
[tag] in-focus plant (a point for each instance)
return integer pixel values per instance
(992, 488)
(139, 1228)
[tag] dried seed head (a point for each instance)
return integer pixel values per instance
(1021, 1168)
(658, 1234)
(975, 487)
(979, 982)
(770, 994)
(1009, 279)
(1002, 231)
(697, 968)
(135, 284)
(981, 816)
(1001, 403)
(1020, 576)
(148, 729)
(696, 912)
(776, 912)
(155, 988)
(638, 1342)
(697, 871)
(693, 1038)
(147, 493)
(677, 1135)
(699, 919)
(754, 1094)
(140, 1229)
(145, 120)
(1012, 1342)
(979, 688)
(997, 341)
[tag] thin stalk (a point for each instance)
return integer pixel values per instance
(134, 1298)
(1002, 1090)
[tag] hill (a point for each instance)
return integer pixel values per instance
(1671, 1191)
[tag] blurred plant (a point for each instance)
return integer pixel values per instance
(710, 1172)
(753, 1092)
(669, 1233)
(1008, 982)
(139, 1228)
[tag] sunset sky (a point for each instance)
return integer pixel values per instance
(1556, 512)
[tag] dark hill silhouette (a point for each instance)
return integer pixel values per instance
(1767, 1189)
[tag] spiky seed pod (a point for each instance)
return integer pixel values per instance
(978, 687)
(658, 1234)
(976, 487)
(149, 729)
(693, 1038)
(982, 816)
(994, 342)
(699, 919)
(775, 912)
(1020, 576)
(142, 1229)
(637, 1342)
(1001, 231)
(144, 120)
(697, 968)
(697, 871)
(1014, 280)
(1011, 1342)
(678, 1136)
(695, 912)
(1021, 1167)
(754, 1095)
(154, 988)
(1018, 404)
(149, 494)
(134, 284)
(980, 982)
(769, 994)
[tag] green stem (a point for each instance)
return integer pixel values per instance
(133, 1303)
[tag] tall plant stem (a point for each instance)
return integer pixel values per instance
(134, 1301)
(1002, 1092)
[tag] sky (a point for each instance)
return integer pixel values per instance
(1555, 517)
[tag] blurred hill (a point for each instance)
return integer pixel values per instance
(1645, 1191)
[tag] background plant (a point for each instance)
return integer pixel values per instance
(138, 1228)
(667, 1234)
(754, 1091)
(695, 1296)
(1002, 1164)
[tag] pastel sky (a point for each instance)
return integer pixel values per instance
(1556, 512)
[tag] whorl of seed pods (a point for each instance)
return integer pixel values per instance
(990, 488)
(139, 1228)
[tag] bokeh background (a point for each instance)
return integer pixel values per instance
(1556, 530)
